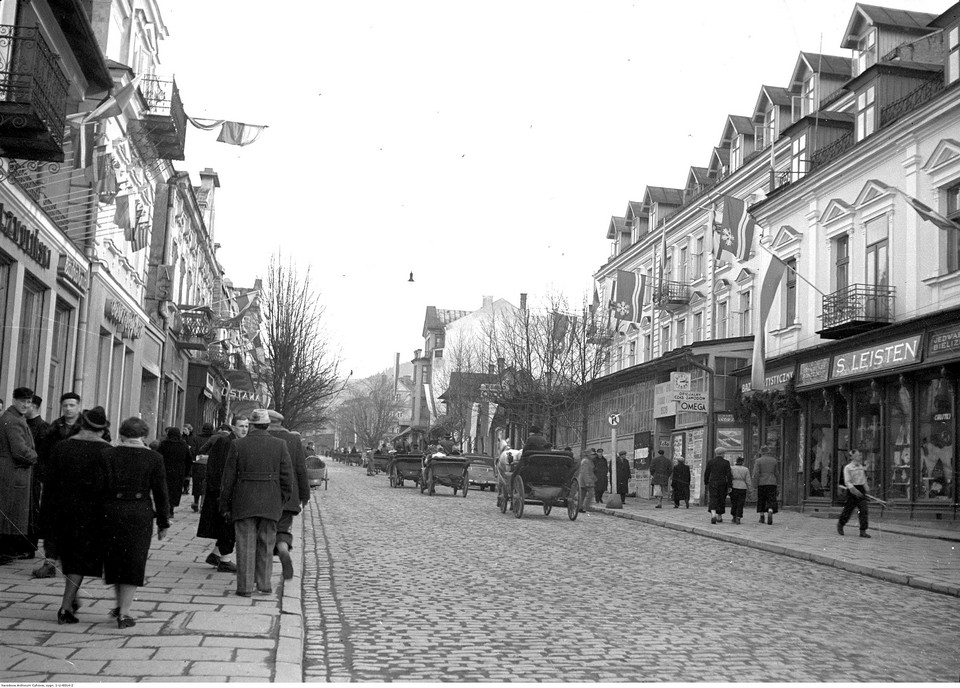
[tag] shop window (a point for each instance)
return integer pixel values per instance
(822, 474)
(900, 475)
(4, 294)
(868, 424)
(31, 327)
(935, 450)
(59, 369)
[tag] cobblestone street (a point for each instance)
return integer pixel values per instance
(410, 587)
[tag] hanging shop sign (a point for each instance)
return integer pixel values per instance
(72, 273)
(27, 239)
(128, 324)
(944, 342)
(894, 354)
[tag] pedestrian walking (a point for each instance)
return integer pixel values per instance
(601, 475)
(718, 478)
(660, 469)
(299, 496)
(739, 487)
(176, 456)
(18, 456)
(212, 523)
(73, 505)
(855, 480)
(766, 476)
(64, 427)
(191, 439)
(134, 495)
(623, 475)
(198, 470)
(588, 479)
(680, 482)
(38, 427)
(257, 482)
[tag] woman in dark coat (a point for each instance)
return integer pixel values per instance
(680, 480)
(72, 506)
(135, 493)
(176, 455)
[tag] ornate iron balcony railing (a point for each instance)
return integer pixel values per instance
(858, 303)
(667, 292)
(30, 77)
(917, 97)
(832, 151)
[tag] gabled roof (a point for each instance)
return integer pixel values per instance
(721, 155)
(698, 175)
(616, 227)
(634, 209)
(830, 65)
(777, 95)
(905, 20)
(663, 195)
(438, 318)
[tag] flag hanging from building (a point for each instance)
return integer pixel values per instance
(928, 213)
(628, 302)
(734, 230)
(768, 290)
(124, 217)
(106, 179)
(111, 106)
(240, 134)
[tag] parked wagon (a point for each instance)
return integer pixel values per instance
(547, 478)
(450, 470)
(380, 462)
(482, 471)
(405, 467)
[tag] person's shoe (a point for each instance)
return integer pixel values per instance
(676, 506)
(286, 564)
(126, 621)
(244, 594)
(212, 559)
(713, 520)
(45, 570)
(658, 506)
(688, 504)
(839, 528)
(261, 593)
(761, 518)
(865, 534)
(226, 567)
(769, 519)
(719, 519)
(66, 617)
(195, 507)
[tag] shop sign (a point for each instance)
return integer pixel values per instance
(724, 418)
(663, 404)
(72, 272)
(884, 356)
(774, 380)
(945, 342)
(813, 372)
(242, 395)
(128, 324)
(24, 237)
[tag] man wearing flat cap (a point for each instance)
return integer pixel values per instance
(298, 497)
(257, 481)
(18, 457)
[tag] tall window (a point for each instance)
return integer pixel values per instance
(698, 267)
(953, 238)
(59, 370)
(697, 335)
(770, 125)
(31, 327)
(790, 293)
(682, 265)
(736, 153)
(809, 96)
(632, 353)
(866, 113)
(798, 157)
(878, 276)
(665, 339)
(721, 329)
(953, 57)
(841, 252)
(681, 332)
(668, 265)
(746, 314)
(867, 47)
(647, 347)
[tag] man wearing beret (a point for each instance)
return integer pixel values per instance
(257, 481)
(17, 460)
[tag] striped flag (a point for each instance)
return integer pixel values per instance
(768, 290)
(628, 302)
(734, 230)
(928, 213)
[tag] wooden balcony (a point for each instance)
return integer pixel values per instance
(33, 96)
(856, 309)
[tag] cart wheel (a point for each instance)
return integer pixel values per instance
(466, 485)
(502, 501)
(325, 481)
(518, 497)
(573, 500)
(433, 487)
(547, 508)
(422, 483)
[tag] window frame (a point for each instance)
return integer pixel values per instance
(952, 63)
(953, 238)
(798, 161)
(841, 262)
(790, 292)
(866, 112)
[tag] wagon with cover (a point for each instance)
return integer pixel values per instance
(545, 478)
(404, 467)
(450, 470)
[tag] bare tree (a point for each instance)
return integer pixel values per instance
(370, 410)
(302, 372)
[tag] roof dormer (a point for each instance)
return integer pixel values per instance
(618, 231)
(719, 166)
(738, 136)
(661, 202)
(698, 181)
(771, 115)
(872, 32)
(815, 80)
(637, 220)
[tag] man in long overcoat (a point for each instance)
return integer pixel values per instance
(257, 482)
(719, 479)
(298, 497)
(602, 473)
(212, 524)
(660, 469)
(17, 460)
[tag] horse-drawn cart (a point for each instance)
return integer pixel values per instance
(380, 462)
(446, 469)
(548, 478)
(404, 467)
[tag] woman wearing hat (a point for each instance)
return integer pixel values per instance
(134, 494)
(176, 457)
(71, 504)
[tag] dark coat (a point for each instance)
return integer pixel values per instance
(680, 479)
(134, 494)
(660, 469)
(623, 475)
(257, 478)
(536, 442)
(212, 524)
(718, 475)
(17, 460)
(601, 469)
(298, 457)
(176, 459)
(72, 504)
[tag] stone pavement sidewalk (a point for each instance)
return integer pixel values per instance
(914, 554)
(190, 624)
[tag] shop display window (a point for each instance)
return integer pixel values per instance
(821, 453)
(899, 442)
(935, 451)
(868, 424)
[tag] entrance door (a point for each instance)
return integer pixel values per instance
(841, 456)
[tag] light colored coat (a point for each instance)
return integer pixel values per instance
(766, 471)
(18, 458)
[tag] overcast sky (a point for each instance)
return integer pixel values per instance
(482, 146)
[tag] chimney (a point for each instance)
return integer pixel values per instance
(488, 302)
(523, 302)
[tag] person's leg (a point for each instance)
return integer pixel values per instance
(266, 540)
(863, 513)
(848, 506)
(246, 535)
(124, 595)
(71, 588)
(47, 569)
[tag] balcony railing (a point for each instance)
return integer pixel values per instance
(921, 94)
(671, 295)
(832, 151)
(165, 122)
(856, 309)
(33, 96)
